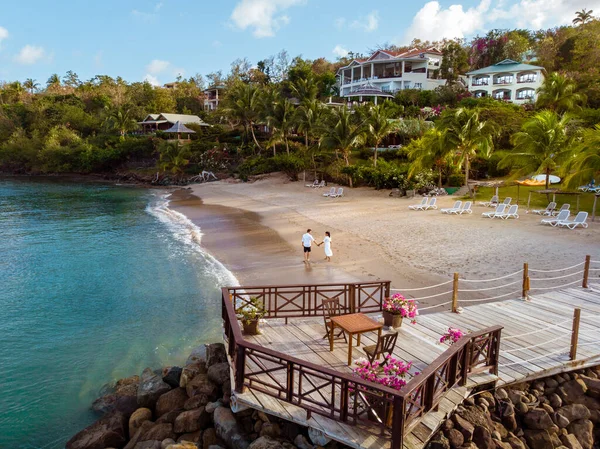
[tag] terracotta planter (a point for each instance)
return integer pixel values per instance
(392, 320)
(250, 327)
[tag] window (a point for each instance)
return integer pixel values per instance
(504, 79)
(407, 67)
(527, 78)
(482, 81)
(525, 94)
(502, 95)
(407, 84)
(418, 85)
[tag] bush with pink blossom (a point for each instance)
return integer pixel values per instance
(391, 375)
(451, 336)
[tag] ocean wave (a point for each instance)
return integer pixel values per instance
(185, 231)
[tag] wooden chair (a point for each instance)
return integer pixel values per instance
(385, 345)
(331, 307)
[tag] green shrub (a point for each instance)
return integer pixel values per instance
(290, 164)
(456, 180)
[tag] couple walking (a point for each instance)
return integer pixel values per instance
(307, 240)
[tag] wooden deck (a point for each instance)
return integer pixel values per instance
(535, 343)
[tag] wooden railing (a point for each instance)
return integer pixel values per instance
(341, 396)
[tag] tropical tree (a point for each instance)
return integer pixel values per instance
(467, 136)
(53, 82)
(305, 89)
(120, 120)
(17, 89)
(174, 158)
(559, 93)
(585, 164)
(429, 151)
(542, 145)
(243, 105)
(281, 119)
(31, 85)
(379, 126)
(583, 16)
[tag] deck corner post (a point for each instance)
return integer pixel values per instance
(455, 294)
(586, 271)
(352, 298)
(289, 394)
(344, 404)
(398, 423)
(525, 289)
(575, 334)
(496, 354)
(240, 368)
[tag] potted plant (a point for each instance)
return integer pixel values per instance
(397, 307)
(249, 314)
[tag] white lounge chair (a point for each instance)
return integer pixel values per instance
(497, 213)
(452, 209)
(314, 184)
(507, 201)
(431, 204)
(562, 216)
(340, 193)
(420, 205)
(321, 184)
(512, 212)
(565, 206)
(548, 211)
(466, 209)
(491, 203)
(580, 220)
(331, 192)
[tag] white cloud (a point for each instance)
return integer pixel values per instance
(369, 23)
(340, 51)
(262, 16)
(144, 16)
(157, 66)
(3, 34)
(339, 23)
(152, 80)
(30, 54)
(538, 14)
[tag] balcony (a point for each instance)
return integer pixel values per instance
(483, 82)
(528, 79)
(502, 81)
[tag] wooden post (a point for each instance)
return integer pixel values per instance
(594, 207)
(525, 280)
(455, 294)
(290, 382)
(578, 203)
(240, 369)
(575, 334)
(586, 271)
(528, 200)
(352, 298)
(398, 423)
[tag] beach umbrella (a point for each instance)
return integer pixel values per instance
(553, 179)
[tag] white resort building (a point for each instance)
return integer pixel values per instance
(387, 72)
(507, 80)
(211, 97)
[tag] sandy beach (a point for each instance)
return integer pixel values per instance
(255, 230)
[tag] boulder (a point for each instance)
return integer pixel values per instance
(464, 427)
(270, 430)
(561, 421)
(507, 415)
(555, 401)
(190, 371)
(108, 431)
(198, 354)
(150, 388)
(228, 430)
(515, 443)
(149, 444)
(289, 430)
(455, 437)
(215, 353)
(200, 400)
(209, 437)
(489, 397)
(476, 416)
(171, 400)
(570, 442)
(192, 421)
(137, 418)
(483, 438)
(211, 406)
(570, 392)
(302, 443)
(591, 383)
(193, 437)
(183, 445)
(551, 382)
(583, 431)
(167, 442)
(127, 386)
(169, 416)
(265, 443)
(439, 441)
(172, 375)
(501, 394)
(502, 445)
(537, 419)
(136, 438)
(158, 432)
(574, 412)
(219, 373)
(538, 439)
(201, 385)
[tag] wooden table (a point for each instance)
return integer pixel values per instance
(354, 323)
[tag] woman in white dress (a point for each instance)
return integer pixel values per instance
(327, 242)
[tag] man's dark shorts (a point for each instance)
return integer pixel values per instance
(307, 249)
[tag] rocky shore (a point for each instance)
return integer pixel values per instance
(185, 408)
(559, 412)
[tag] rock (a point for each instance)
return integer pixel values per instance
(502, 445)
(172, 400)
(489, 397)
(501, 394)
(555, 401)
(144, 427)
(201, 385)
(477, 417)
(583, 431)
(184, 445)
(169, 416)
(219, 373)
(483, 438)
(289, 430)
(149, 444)
(108, 431)
(215, 446)
(574, 412)
(137, 418)
(464, 427)
(521, 408)
(515, 396)
(561, 421)
(550, 383)
(447, 425)
(572, 390)
(439, 441)
(193, 437)
(192, 421)
(212, 406)
(228, 430)
(570, 442)
(591, 384)
(302, 443)
(507, 415)
(125, 404)
(538, 419)
(215, 353)
(270, 430)
(482, 402)
(500, 430)
(105, 404)
(199, 400)
(197, 355)
(166, 442)
(548, 408)
(158, 432)
(150, 388)
(515, 443)
(258, 426)
(455, 437)
(538, 439)
(127, 386)
(172, 375)
(209, 437)
(265, 443)
(190, 371)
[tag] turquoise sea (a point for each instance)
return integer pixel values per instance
(97, 282)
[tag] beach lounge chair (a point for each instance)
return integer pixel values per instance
(548, 211)
(452, 209)
(565, 206)
(314, 184)
(431, 204)
(512, 212)
(580, 220)
(385, 346)
(321, 184)
(420, 205)
(497, 213)
(340, 193)
(491, 203)
(331, 192)
(564, 215)
(507, 201)
(466, 209)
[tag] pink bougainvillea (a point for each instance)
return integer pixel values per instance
(451, 336)
(391, 375)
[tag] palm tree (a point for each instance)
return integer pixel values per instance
(583, 16)
(174, 158)
(541, 146)
(379, 127)
(585, 165)
(281, 120)
(243, 105)
(309, 118)
(559, 93)
(431, 150)
(120, 120)
(53, 82)
(344, 133)
(31, 84)
(467, 136)
(17, 89)
(305, 89)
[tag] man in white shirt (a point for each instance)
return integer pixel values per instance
(307, 240)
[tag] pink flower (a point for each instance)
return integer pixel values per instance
(452, 335)
(399, 305)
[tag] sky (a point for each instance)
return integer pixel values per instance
(160, 39)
